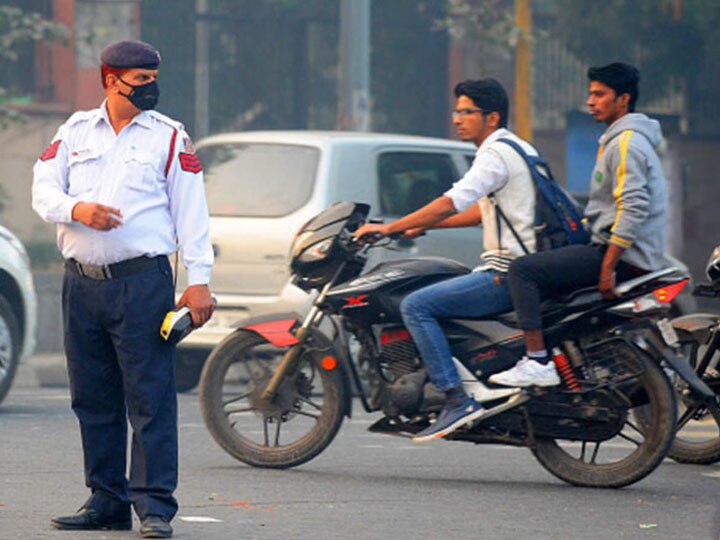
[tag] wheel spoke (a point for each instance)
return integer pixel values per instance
(629, 438)
(583, 447)
(310, 402)
(308, 414)
(266, 421)
(238, 398)
(633, 426)
(595, 453)
(278, 424)
(228, 412)
(686, 417)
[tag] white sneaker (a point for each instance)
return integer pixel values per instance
(528, 372)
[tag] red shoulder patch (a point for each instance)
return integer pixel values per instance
(51, 151)
(190, 162)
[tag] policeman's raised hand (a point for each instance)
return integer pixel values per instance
(371, 232)
(199, 300)
(97, 216)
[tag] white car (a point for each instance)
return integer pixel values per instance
(262, 186)
(18, 308)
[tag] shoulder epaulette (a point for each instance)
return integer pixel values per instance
(167, 120)
(82, 116)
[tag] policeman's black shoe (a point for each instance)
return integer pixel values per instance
(155, 527)
(88, 519)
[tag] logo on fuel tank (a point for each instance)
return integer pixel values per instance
(356, 302)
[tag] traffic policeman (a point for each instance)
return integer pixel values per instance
(125, 187)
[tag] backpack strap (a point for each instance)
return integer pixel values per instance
(500, 214)
(531, 161)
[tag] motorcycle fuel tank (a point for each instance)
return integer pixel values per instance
(376, 295)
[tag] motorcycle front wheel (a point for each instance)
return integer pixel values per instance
(697, 439)
(637, 449)
(296, 426)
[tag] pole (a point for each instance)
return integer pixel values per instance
(354, 57)
(523, 70)
(202, 71)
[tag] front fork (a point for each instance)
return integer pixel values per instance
(289, 359)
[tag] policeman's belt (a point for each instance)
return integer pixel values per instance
(115, 270)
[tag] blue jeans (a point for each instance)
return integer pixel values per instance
(473, 295)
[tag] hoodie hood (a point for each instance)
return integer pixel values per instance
(639, 123)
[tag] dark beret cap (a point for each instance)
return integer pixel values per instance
(130, 54)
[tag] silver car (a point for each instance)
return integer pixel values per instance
(18, 308)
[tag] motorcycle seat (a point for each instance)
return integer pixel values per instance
(584, 297)
(578, 299)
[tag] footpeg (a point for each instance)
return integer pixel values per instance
(514, 401)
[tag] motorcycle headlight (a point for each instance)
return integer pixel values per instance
(316, 252)
(712, 269)
(298, 242)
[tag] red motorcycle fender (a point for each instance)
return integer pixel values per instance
(276, 332)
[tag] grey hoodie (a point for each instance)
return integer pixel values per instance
(628, 193)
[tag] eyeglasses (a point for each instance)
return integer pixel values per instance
(462, 113)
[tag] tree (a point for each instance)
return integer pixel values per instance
(666, 39)
(18, 29)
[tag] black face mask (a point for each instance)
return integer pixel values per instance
(143, 96)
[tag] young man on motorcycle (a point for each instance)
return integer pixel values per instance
(627, 215)
(480, 116)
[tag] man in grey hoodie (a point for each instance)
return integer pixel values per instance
(627, 215)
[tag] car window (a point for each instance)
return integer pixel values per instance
(259, 180)
(410, 180)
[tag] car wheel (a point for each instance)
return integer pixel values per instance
(9, 346)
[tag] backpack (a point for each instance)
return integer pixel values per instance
(558, 220)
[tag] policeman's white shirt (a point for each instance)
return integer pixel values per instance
(89, 162)
(487, 174)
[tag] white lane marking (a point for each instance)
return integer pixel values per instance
(200, 519)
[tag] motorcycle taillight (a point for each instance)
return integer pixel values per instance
(659, 298)
(665, 295)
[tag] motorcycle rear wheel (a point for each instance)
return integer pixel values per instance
(650, 437)
(300, 422)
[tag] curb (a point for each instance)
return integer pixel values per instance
(46, 370)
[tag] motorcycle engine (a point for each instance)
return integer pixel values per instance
(410, 387)
(404, 395)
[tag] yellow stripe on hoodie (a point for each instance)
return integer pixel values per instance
(621, 174)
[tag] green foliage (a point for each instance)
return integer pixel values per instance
(491, 23)
(19, 29)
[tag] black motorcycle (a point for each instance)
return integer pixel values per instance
(698, 431)
(274, 393)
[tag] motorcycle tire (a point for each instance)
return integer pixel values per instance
(9, 346)
(308, 405)
(657, 430)
(687, 448)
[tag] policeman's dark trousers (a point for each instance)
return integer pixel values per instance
(120, 369)
(548, 274)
